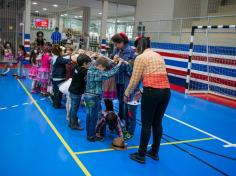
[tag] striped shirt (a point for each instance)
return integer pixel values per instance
(150, 68)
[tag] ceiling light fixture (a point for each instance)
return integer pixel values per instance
(36, 11)
(80, 16)
(99, 13)
(45, 9)
(55, 5)
(34, 3)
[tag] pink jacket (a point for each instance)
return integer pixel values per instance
(46, 60)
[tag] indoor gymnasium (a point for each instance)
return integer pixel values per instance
(118, 87)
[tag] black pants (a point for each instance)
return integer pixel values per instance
(57, 94)
(123, 109)
(109, 105)
(153, 105)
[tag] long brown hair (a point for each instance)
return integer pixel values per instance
(142, 43)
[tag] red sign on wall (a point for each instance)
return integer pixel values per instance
(41, 22)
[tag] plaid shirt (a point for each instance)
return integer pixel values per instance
(150, 67)
(95, 78)
(127, 53)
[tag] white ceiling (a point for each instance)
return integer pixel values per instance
(75, 7)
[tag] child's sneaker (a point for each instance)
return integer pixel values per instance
(83, 103)
(125, 132)
(128, 136)
(90, 139)
(100, 139)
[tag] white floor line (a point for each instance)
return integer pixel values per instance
(3, 108)
(14, 106)
(202, 131)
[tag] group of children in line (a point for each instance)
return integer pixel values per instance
(91, 77)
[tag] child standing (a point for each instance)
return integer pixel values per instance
(58, 74)
(132, 106)
(33, 71)
(93, 94)
(44, 71)
(21, 62)
(77, 89)
(8, 59)
(132, 113)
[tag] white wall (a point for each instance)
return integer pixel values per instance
(154, 9)
(149, 10)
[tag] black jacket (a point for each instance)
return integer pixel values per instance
(59, 68)
(78, 83)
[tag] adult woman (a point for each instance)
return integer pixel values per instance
(124, 51)
(150, 67)
(40, 40)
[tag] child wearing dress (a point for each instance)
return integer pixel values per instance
(33, 71)
(21, 61)
(8, 59)
(109, 91)
(44, 71)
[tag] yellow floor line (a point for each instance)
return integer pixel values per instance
(74, 156)
(134, 147)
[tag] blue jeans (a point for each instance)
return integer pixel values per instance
(57, 94)
(132, 118)
(123, 110)
(75, 103)
(93, 110)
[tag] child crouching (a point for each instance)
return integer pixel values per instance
(112, 120)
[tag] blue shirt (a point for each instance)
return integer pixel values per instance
(127, 53)
(95, 78)
(56, 37)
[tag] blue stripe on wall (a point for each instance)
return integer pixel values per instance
(103, 41)
(177, 81)
(214, 69)
(221, 50)
(27, 36)
(27, 49)
(194, 85)
(223, 91)
(176, 63)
